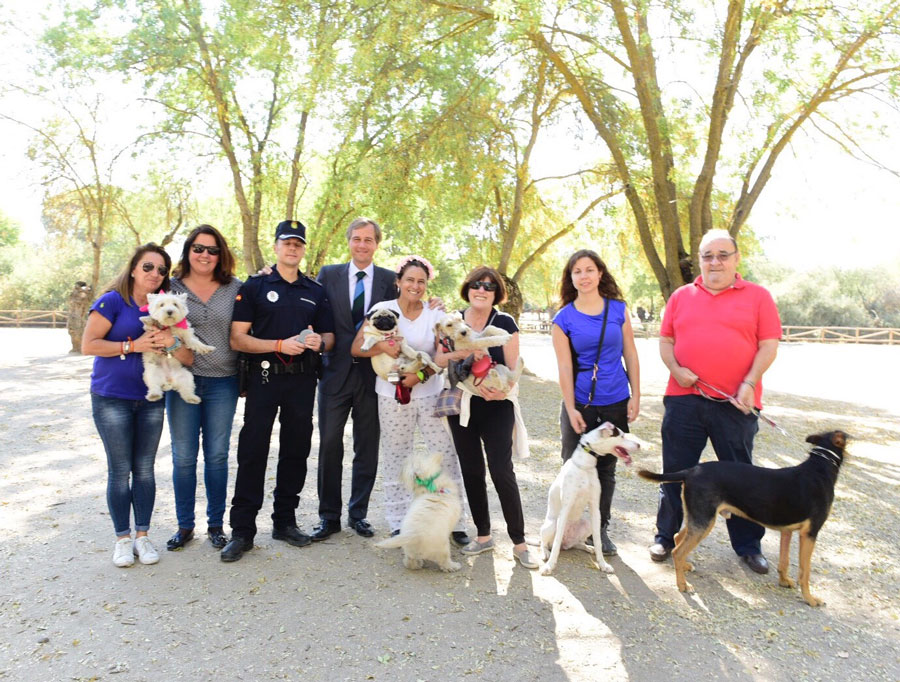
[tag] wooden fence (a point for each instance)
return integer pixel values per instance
(33, 318)
(790, 333)
(881, 335)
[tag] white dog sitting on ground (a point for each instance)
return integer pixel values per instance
(576, 487)
(432, 516)
(162, 371)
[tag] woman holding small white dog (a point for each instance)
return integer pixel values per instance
(206, 274)
(491, 420)
(128, 424)
(398, 419)
(592, 335)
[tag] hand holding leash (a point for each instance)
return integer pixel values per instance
(745, 398)
(310, 339)
(576, 420)
(291, 346)
(685, 377)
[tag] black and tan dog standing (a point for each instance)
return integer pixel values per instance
(791, 499)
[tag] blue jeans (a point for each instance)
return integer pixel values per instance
(130, 431)
(212, 417)
(688, 421)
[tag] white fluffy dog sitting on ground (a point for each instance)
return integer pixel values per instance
(163, 372)
(432, 516)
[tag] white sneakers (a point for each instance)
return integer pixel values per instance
(123, 552)
(126, 549)
(145, 551)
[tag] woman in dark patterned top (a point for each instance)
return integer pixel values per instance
(485, 431)
(206, 274)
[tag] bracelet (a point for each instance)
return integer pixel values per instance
(175, 346)
(749, 383)
(423, 377)
(124, 348)
(278, 345)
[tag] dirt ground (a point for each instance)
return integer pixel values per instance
(343, 610)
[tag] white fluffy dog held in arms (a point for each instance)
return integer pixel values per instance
(576, 487)
(432, 516)
(163, 371)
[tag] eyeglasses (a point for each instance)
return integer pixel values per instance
(487, 286)
(200, 248)
(722, 256)
(161, 269)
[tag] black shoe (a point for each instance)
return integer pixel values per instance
(235, 549)
(756, 563)
(291, 535)
(325, 529)
(659, 552)
(180, 539)
(362, 527)
(460, 538)
(217, 537)
(606, 545)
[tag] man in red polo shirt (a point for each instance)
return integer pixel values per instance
(722, 331)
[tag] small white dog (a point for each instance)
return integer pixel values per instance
(576, 487)
(163, 372)
(463, 337)
(432, 516)
(381, 325)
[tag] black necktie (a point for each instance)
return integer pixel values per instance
(359, 300)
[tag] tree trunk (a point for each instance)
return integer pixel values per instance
(514, 300)
(79, 303)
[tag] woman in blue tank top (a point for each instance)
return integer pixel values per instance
(590, 298)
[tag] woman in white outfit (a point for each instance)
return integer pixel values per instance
(399, 421)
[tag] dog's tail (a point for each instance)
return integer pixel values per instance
(392, 542)
(663, 478)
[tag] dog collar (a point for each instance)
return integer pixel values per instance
(819, 451)
(428, 483)
(587, 449)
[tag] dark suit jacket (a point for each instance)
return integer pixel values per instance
(336, 364)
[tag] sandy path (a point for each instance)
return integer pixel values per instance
(342, 610)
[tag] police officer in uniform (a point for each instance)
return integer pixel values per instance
(282, 321)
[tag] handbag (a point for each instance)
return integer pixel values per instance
(481, 367)
(448, 403)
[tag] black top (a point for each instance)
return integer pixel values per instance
(277, 309)
(505, 322)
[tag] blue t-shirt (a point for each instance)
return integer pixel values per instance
(584, 333)
(114, 377)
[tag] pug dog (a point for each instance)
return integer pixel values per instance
(381, 325)
(163, 371)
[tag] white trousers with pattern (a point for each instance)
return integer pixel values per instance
(398, 427)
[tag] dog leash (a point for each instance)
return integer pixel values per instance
(726, 397)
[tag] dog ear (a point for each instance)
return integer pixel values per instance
(610, 428)
(394, 313)
(182, 297)
(814, 438)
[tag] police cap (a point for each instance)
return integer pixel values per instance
(288, 229)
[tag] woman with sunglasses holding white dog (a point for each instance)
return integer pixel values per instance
(399, 420)
(592, 335)
(490, 421)
(206, 274)
(128, 424)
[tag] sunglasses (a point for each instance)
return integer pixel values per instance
(161, 269)
(487, 286)
(200, 248)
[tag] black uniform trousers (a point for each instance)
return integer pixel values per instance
(594, 415)
(292, 396)
(490, 422)
(357, 397)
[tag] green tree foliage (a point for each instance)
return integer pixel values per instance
(696, 149)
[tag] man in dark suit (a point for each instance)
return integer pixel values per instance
(348, 384)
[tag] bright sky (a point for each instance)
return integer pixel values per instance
(820, 209)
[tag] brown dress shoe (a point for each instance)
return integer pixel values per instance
(756, 563)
